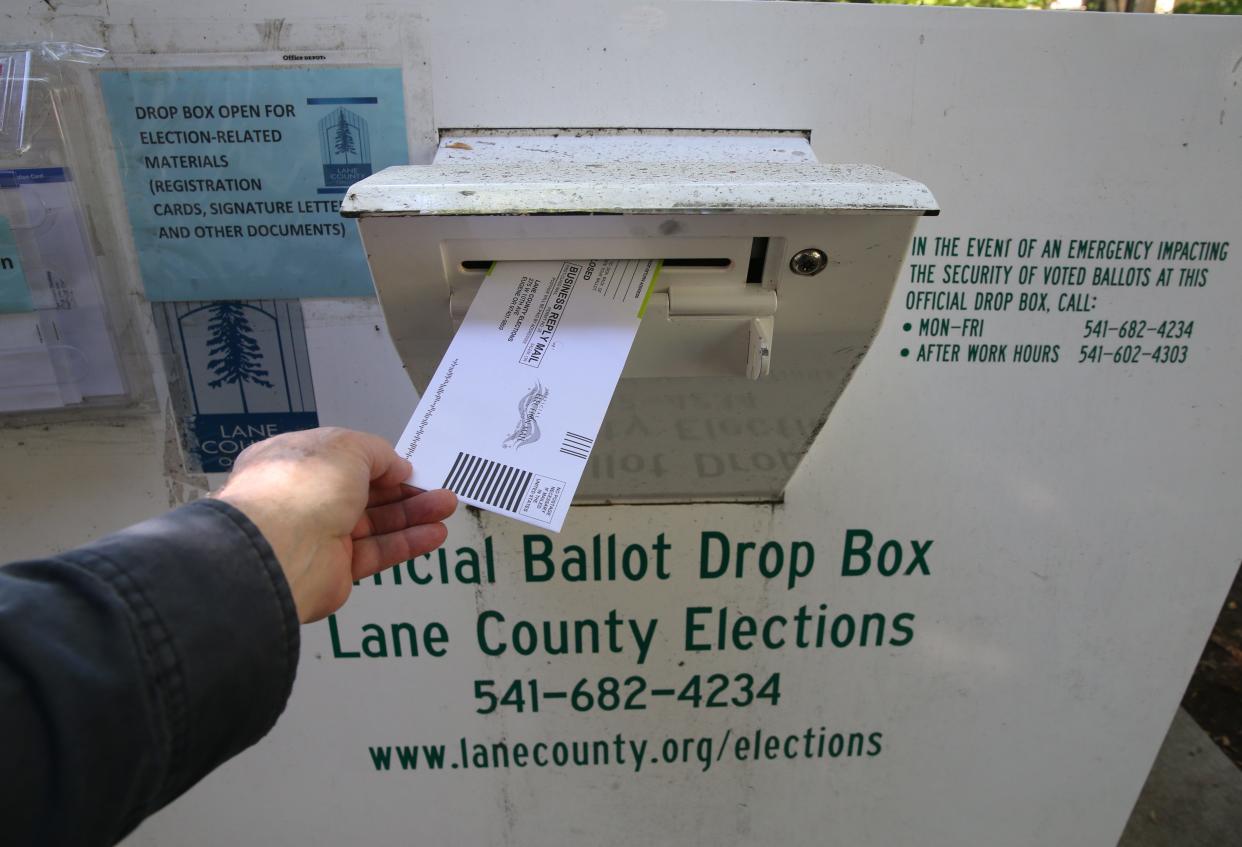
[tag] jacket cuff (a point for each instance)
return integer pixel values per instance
(218, 626)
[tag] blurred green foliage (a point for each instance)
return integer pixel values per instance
(994, 4)
(1181, 7)
(1208, 7)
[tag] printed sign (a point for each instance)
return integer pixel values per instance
(14, 294)
(233, 178)
(239, 373)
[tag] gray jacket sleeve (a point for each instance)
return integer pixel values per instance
(131, 667)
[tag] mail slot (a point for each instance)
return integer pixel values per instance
(776, 271)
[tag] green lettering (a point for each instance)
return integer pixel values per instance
(899, 623)
(861, 552)
(800, 552)
(693, 627)
(705, 571)
(893, 547)
(414, 575)
(411, 636)
(575, 567)
(337, 652)
(543, 558)
(374, 645)
(481, 630)
(467, 569)
(433, 637)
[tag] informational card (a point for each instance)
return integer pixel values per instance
(14, 293)
(511, 415)
(28, 373)
(48, 273)
(64, 282)
(233, 178)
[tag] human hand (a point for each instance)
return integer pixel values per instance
(332, 504)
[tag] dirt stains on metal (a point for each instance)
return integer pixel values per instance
(182, 485)
(270, 31)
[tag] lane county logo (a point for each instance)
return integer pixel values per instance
(344, 147)
(529, 409)
(239, 373)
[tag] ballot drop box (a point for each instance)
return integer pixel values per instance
(918, 493)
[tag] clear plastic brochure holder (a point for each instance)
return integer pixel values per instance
(57, 349)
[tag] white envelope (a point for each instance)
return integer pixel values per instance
(510, 417)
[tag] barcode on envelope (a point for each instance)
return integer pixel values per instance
(488, 482)
(578, 446)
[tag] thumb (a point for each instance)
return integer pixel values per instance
(386, 468)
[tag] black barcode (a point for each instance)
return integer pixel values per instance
(487, 482)
(576, 445)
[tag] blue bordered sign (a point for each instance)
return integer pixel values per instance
(233, 178)
(238, 372)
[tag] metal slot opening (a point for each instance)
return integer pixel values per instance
(481, 265)
(697, 264)
(758, 256)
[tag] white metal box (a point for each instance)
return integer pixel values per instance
(777, 271)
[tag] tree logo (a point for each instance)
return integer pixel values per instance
(238, 372)
(344, 147)
(235, 355)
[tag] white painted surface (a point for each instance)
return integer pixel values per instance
(372, 398)
(652, 188)
(1084, 518)
(623, 145)
(66, 484)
